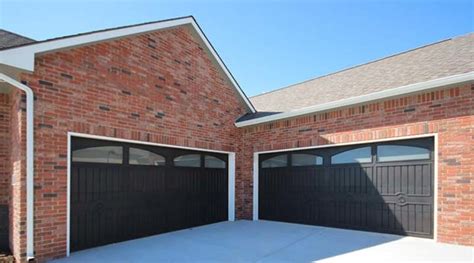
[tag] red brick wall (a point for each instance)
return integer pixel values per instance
(4, 148)
(448, 112)
(160, 87)
(5, 166)
(12, 157)
(18, 175)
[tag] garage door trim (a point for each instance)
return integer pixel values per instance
(393, 139)
(71, 135)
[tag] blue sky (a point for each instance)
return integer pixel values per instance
(266, 44)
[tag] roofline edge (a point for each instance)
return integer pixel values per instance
(395, 92)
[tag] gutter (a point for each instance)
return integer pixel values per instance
(395, 92)
(29, 163)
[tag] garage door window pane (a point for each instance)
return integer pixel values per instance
(102, 154)
(301, 159)
(213, 162)
(391, 153)
(188, 160)
(277, 161)
(143, 157)
(359, 155)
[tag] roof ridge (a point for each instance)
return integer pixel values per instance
(99, 31)
(362, 64)
(16, 34)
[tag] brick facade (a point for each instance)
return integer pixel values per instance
(4, 148)
(162, 87)
(5, 171)
(18, 174)
(448, 112)
(12, 168)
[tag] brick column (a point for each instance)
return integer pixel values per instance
(18, 176)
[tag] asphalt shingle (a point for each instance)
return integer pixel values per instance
(445, 58)
(9, 39)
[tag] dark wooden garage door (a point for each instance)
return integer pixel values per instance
(383, 187)
(123, 191)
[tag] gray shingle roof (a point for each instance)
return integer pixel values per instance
(445, 58)
(9, 39)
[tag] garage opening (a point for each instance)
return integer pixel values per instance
(382, 187)
(122, 191)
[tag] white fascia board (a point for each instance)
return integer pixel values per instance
(23, 57)
(395, 92)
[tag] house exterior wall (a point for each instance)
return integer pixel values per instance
(448, 112)
(158, 87)
(162, 87)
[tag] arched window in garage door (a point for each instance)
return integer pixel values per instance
(277, 161)
(394, 153)
(188, 160)
(213, 162)
(304, 159)
(358, 155)
(100, 154)
(144, 157)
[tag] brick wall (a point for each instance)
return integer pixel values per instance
(18, 175)
(4, 148)
(5, 175)
(449, 112)
(160, 87)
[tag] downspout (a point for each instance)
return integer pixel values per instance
(29, 163)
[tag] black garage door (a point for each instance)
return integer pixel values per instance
(122, 191)
(381, 187)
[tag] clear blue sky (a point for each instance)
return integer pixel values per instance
(269, 44)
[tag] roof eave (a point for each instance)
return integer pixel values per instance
(390, 93)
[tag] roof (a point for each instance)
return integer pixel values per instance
(10, 39)
(22, 56)
(442, 59)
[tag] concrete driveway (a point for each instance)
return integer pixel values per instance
(265, 241)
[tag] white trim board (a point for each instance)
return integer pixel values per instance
(23, 57)
(385, 94)
(70, 135)
(393, 139)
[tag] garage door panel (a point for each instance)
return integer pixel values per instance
(93, 205)
(214, 189)
(394, 196)
(412, 179)
(350, 179)
(113, 202)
